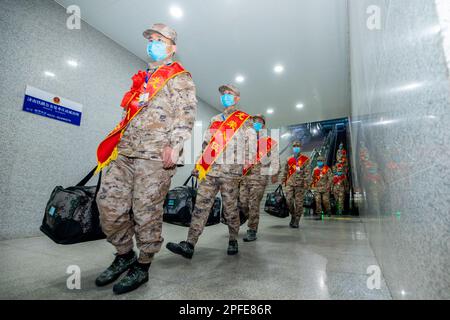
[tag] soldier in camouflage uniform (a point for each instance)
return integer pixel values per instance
(253, 184)
(133, 189)
(340, 187)
(297, 184)
(340, 153)
(321, 186)
(224, 176)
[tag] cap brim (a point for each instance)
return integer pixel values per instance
(259, 117)
(147, 34)
(223, 88)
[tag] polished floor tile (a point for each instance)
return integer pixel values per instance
(321, 260)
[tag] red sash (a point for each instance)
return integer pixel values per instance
(219, 141)
(265, 144)
(318, 174)
(339, 179)
(107, 150)
(293, 163)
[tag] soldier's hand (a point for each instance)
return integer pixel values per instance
(274, 179)
(169, 158)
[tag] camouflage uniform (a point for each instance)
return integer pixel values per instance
(340, 154)
(224, 177)
(295, 189)
(136, 179)
(322, 189)
(252, 187)
(339, 189)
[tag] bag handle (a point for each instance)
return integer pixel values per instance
(280, 190)
(191, 178)
(86, 179)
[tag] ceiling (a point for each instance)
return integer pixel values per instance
(220, 39)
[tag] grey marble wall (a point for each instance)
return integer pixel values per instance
(37, 153)
(401, 143)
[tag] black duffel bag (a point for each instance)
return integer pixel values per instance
(180, 202)
(309, 201)
(276, 204)
(71, 215)
(242, 217)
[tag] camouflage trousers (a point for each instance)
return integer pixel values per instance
(250, 196)
(140, 185)
(294, 197)
(339, 195)
(322, 198)
(206, 193)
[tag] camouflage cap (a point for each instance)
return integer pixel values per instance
(297, 143)
(229, 87)
(260, 116)
(162, 29)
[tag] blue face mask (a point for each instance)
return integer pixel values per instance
(320, 164)
(258, 126)
(297, 150)
(157, 50)
(227, 100)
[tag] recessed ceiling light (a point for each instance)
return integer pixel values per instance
(198, 123)
(270, 111)
(278, 68)
(240, 79)
(299, 106)
(49, 74)
(72, 63)
(176, 12)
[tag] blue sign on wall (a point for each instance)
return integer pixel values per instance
(51, 106)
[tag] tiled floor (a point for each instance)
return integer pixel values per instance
(322, 260)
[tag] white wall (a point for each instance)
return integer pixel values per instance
(37, 153)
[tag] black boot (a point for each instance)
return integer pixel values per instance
(251, 236)
(183, 248)
(136, 276)
(295, 224)
(232, 247)
(120, 264)
(317, 216)
(291, 224)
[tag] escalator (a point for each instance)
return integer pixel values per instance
(337, 135)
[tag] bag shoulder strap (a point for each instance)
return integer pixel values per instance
(194, 182)
(280, 189)
(86, 179)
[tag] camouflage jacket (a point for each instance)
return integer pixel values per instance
(340, 184)
(322, 179)
(231, 162)
(301, 178)
(266, 168)
(167, 120)
(339, 155)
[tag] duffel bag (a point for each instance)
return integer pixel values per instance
(180, 203)
(71, 215)
(242, 216)
(215, 214)
(309, 200)
(276, 204)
